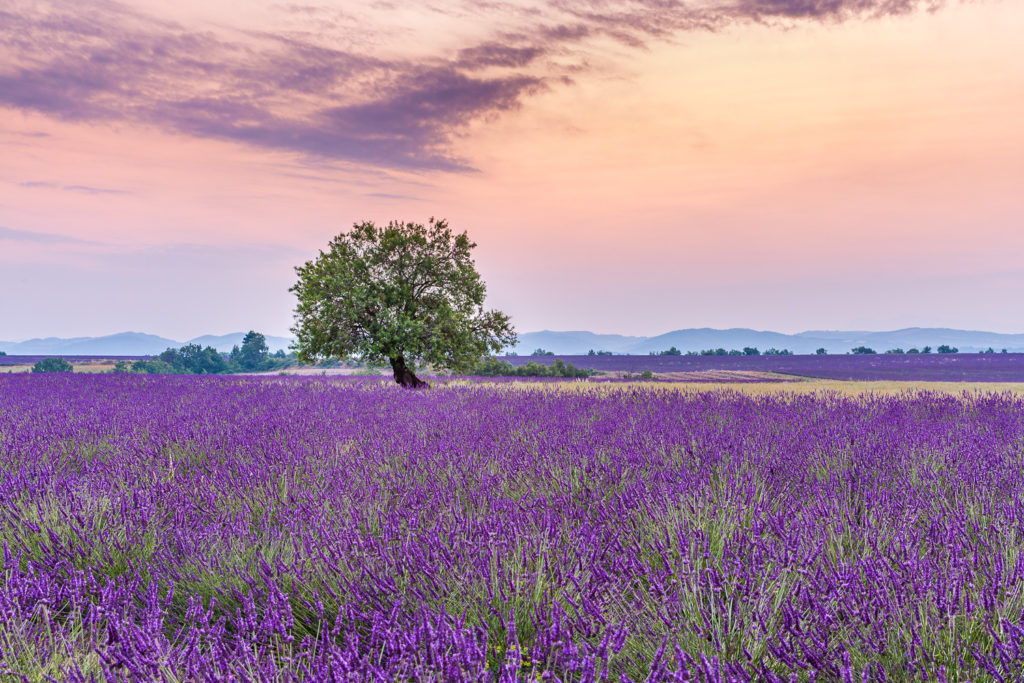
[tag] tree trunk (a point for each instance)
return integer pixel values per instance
(405, 376)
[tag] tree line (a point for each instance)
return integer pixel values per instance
(192, 359)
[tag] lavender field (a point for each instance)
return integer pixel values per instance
(215, 528)
(953, 367)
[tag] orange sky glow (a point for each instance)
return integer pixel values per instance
(632, 167)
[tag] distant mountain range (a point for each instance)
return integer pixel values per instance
(126, 344)
(576, 343)
(833, 341)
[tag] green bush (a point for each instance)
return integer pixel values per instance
(53, 364)
(192, 359)
(646, 374)
(492, 367)
(152, 367)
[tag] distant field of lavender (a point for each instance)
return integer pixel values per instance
(953, 367)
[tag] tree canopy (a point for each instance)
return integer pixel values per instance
(254, 352)
(53, 364)
(401, 294)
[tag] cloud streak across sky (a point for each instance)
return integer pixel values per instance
(105, 62)
(626, 166)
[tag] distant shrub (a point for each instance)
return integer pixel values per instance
(542, 352)
(671, 351)
(778, 352)
(713, 352)
(751, 351)
(646, 374)
(926, 349)
(944, 348)
(53, 364)
(988, 350)
(121, 367)
(3, 353)
(895, 352)
(193, 359)
(592, 352)
(913, 351)
(153, 367)
(862, 350)
(492, 367)
(822, 351)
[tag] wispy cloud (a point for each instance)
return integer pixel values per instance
(388, 195)
(87, 189)
(39, 237)
(288, 92)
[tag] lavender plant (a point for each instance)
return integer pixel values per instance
(299, 529)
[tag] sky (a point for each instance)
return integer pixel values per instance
(624, 167)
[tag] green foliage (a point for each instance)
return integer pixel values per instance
(913, 350)
(121, 367)
(778, 352)
(926, 349)
(493, 367)
(153, 367)
(751, 351)
(712, 352)
(53, 364)
(822, 351)
(253, 355)
(3, 353)
(897, 352)
(542, 352)
(193, 359)
(862, 350)
(671, 351)
(945, 348)
(646, 374)
(591, 352)
(396, 294)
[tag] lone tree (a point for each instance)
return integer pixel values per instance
(401, 294)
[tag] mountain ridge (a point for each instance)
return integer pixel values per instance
(127, 344)
(577, 342)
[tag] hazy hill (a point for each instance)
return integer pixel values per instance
(122, 344)
(834, 341)
(576, 342)
(125, 344)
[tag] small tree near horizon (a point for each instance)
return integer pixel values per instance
(402, 294)
(254, 352)
(53, 364)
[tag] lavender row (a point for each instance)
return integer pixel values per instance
(956, 367)
(213, 528)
